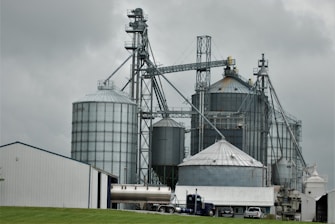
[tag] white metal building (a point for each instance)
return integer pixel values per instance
(331, 207)
(308, 205)
(32, 176)
(315, 185)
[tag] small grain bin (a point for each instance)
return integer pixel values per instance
(167, 150)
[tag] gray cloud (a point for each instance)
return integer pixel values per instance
(53, 52)
(54, 28)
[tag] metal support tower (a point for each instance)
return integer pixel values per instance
(139, 45)
(261, 74)
(295, 157)
(140, 90)
(203, 81)
(143, 85)
(203, 78)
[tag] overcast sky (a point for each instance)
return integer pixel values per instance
(54, 52)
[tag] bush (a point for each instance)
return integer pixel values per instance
(270, 216)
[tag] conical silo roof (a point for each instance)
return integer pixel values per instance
(222, 153)
(167, 122)
(229, 84)
(107, 94)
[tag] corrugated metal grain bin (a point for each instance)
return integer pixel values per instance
(167, 150)
(104, 132)
(222, 164)
(238, 112)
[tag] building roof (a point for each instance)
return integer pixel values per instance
(222, 153)
(315, 178)
(2, 147)
(229, 84)
(107, 95)
(40, 149)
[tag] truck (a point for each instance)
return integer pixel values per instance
(254, 212)
(194, 205)
(160, 199)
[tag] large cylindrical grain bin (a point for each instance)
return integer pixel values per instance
(238, 112)
(104, 132)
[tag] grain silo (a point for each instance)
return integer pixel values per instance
(222, 164)
(238, 112)
(104, 132)
(167, 150)
(282, 172)
(250, 117)
(285, 165)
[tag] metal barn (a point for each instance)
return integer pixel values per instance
(31, 176)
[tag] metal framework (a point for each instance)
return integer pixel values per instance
(264, 129)
(144, 86)
(203, 78)
(254, 121)
(283, 133)
(140, 89)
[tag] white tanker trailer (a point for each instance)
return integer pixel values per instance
(127, 193)
(159, 198)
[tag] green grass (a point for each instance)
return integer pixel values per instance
(66, 215)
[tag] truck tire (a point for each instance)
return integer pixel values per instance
(211, 213)
(161, 209)
(170, 210)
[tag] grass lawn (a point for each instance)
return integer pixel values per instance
(66, 215)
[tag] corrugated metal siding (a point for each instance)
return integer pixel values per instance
(104, 133)
(229, 96)
(93, 189)
(221, 164)
(38, 178)
(221, 176)
(167, 146)
(307, 208)
(103, 191)
(331, 207)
